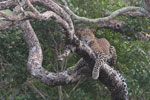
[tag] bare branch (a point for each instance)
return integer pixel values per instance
(49, 4)
(10, 17)
(32, 8)
(66, 53)
(35, 60)
(104, 19)
(108, 18)
(73, 74)
(135, 14)
(17, 9)
(29, 15)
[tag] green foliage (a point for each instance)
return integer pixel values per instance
(133, 56)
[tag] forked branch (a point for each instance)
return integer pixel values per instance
(83, 67)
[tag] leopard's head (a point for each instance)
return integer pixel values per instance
(87, 35)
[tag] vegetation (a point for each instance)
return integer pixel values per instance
(133, 56)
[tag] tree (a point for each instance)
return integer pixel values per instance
(61, 13)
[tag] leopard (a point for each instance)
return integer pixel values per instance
(101, 47)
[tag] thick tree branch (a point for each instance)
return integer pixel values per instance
(17, 10)
(50, 5)
(129, 13)
(111, 79)
(73, 74)
(34, 64)
(82, 69)
(112, 24)
(34, 10)
(66, 53)
(108, 18)
(104, 19)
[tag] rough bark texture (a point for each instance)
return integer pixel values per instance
(112, 24)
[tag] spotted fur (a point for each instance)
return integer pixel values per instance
(102, 48)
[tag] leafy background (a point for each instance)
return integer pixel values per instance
(133, 57)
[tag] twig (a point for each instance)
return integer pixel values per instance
(31, 7)
(64, 55)
(20, 6)
(30, 84)
(78, 83)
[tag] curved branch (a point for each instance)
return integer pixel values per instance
(51, 5)
(104, 19)
(114, 82)
(108, 18)
(83, 68)
(108, 76)
(34, 63)
(112, 24)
